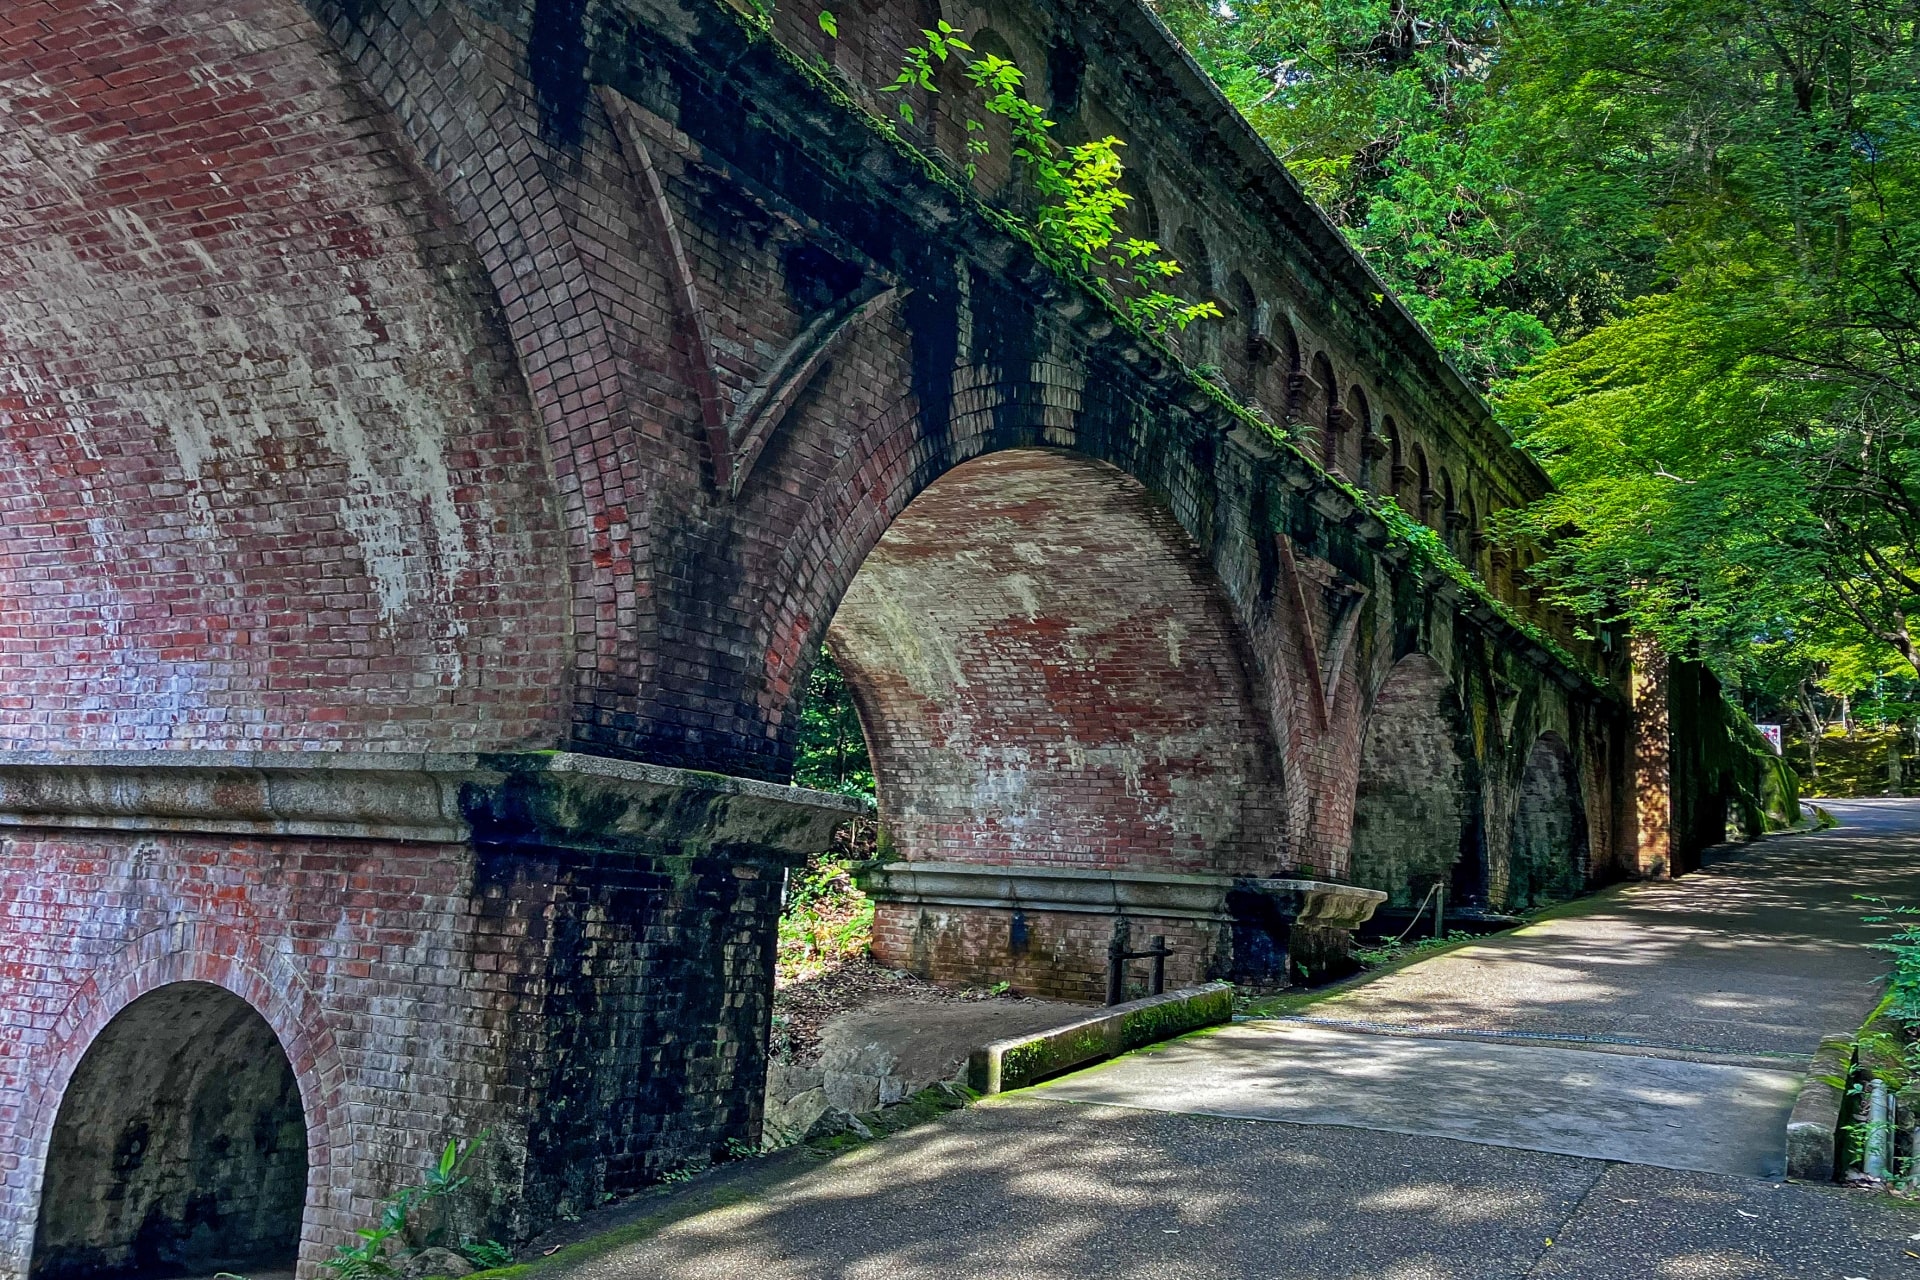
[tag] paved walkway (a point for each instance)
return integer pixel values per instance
(1587, 1099)
(1662, 1024)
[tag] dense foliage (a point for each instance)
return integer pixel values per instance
(827, 919)
(1679, 243)
(832, 752)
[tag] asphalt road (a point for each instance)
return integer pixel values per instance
(1594, 1096)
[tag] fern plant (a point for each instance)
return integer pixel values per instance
(373, 1254)
(1079, 187)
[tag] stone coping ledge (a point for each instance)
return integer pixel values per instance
(1316, 902)
(1033, 888)
(441, 797)
(1075, 889)
(1023, 1060)
(1813, 1127)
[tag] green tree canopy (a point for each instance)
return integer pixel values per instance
(1679, 243)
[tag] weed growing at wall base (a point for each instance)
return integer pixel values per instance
(373, 1256)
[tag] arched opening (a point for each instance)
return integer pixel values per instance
(1050, 681)
(180, 1147)
(1361, 443)
(1243, 357)
(1396, 486)
(1321, 409)
(867, 49)
(1547, 859)
(1284, 383)
(1426, 501)
(1415, 816)
(996, 171)
(1199, 343)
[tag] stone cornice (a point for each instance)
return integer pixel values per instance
(535, 798)
(1182, 897)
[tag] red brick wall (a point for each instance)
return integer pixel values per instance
(603, 1017)
(271, 474)
(1049, 676)
(350, 400)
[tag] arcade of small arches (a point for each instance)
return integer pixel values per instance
(1261, 351)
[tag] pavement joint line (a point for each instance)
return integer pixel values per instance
(1038, 1094)
(1653, 1047)
(1552, 1242)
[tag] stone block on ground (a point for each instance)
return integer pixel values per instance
(1019, 1061)
(884, 1053)
(1814, 1126)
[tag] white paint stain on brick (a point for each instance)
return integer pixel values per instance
(374, 378)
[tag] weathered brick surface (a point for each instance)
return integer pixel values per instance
(423, 374)
(272, 476)
(601, 1016)
(1055, 955)
(1050, 677)
(1416, 798)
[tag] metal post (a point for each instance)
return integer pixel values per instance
(1159, 949)
(1117, 962)
(1440, 910)
(1879, 1131)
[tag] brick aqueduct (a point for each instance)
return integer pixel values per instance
(440, 436)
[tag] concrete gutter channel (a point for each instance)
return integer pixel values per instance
(1023, 1060)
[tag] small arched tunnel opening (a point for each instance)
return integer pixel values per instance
(180, 1147)
(1062, 725)
(1547, 858)
(1416, 830)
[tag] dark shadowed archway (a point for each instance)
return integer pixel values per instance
(1049, 680)
(1415, 816)
(1547, 861)
(180, 1146)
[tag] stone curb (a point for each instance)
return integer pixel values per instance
(1813, 1128)
(1023, 1060)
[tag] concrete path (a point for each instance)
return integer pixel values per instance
(1661, 1024)
(1028, 1189)
(1761, 951)
(1648, 1110)
(1584, 1100)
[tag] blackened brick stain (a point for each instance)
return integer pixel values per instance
(558, 49)
(630, 953)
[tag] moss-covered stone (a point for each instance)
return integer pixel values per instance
(1016, 1063)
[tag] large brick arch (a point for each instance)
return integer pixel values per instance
(1049, 676)
(849, 497)
(269, 457)
(37, 1081)
(1547, 852)
(1416, 814)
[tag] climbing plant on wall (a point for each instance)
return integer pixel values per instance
(1078, 188)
